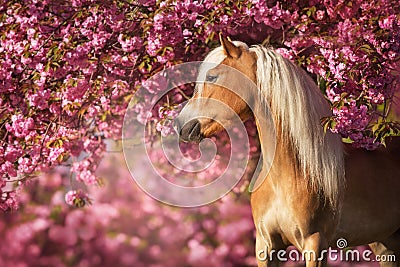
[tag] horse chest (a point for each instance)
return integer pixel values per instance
(286, 217)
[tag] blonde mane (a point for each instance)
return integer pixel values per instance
(298, 106)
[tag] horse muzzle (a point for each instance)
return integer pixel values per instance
(188, 131)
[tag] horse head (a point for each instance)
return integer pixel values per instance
(206, 112)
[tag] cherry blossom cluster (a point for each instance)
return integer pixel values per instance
(69, 69)
(353, 48)
(122, 227)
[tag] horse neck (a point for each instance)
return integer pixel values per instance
(280, 165)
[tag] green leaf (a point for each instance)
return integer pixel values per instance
(366, 48)
(347, 140)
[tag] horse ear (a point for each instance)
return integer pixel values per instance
(230, 49)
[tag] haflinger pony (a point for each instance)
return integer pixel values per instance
(317, 190)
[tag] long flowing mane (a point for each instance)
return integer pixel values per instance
(298, 106)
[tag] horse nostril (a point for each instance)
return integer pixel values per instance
(191, 131)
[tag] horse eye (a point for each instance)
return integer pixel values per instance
(211, 78)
